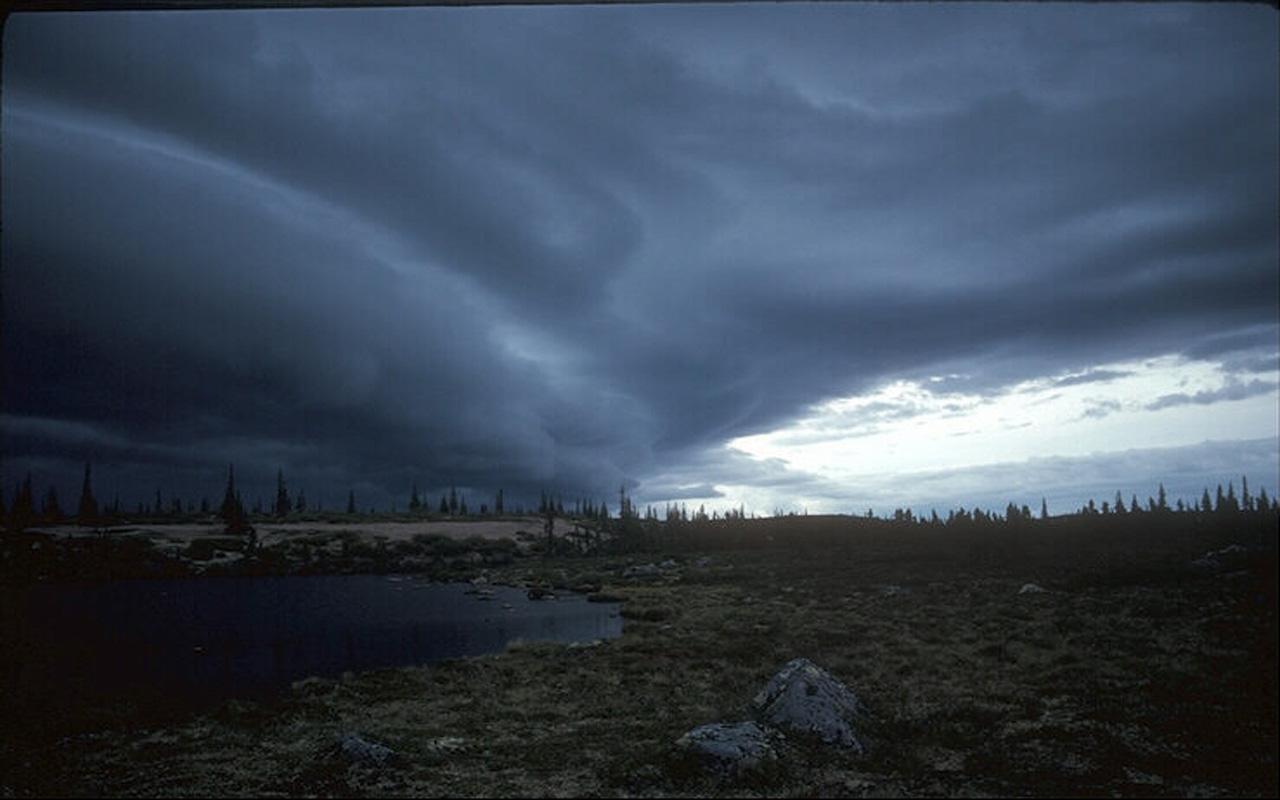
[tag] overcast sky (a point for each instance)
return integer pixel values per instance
(794, 257)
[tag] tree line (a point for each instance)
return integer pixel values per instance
(23, 511)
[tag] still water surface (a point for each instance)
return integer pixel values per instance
(244, 637)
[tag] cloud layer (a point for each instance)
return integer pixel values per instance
(575, 247)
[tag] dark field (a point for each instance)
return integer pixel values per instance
(1137, 673)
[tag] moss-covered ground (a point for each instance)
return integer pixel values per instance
(1135, 674)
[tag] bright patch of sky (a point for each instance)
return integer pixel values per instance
(909, 428)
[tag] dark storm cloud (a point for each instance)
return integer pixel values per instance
(1234, 390)
(579, 247)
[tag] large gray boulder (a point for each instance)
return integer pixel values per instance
(730, 748)
(805, 698)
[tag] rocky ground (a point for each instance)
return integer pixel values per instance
(977, 671)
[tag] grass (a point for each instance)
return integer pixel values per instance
(1132, 676)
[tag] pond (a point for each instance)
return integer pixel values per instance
(205, 639)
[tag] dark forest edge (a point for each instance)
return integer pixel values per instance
(108, 548)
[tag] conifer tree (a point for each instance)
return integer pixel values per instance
(351, 502)
(497, 503)
(1134, 508)
(282, 495)
(1206, 504)
(415, 504)
(1221, 505)
(1232, 503)
(230, 498)
(462, 505)
(1119, 504)
(453, 500)
(51, 511)
(444, 505)
(87, 514)
(1162, 500)
(1044, 509)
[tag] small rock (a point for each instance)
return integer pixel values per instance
(670, 563)
(357, 750)
(806, 698)
(641, 571)
(1233, 555)
(703, 562)
(1143, 778)
(730, 748)
(1031, 588)
(444, 744)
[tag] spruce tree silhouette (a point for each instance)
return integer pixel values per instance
(87, 513)
(351, 502)
(444, 505)
(282, 495)
(230, 498)
(414, 503)
(51, 511)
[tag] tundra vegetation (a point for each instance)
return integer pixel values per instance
(1143, 661)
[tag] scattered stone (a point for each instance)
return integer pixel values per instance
(581, 645)
(703, 562)
(1230, 556)
(1031, 588)
(670, 563)
(1143, 778)
(730, 748)
(359, 751)
(641, 571)
(444, 744)
(804, 697)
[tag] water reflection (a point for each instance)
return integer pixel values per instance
(223, 637)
